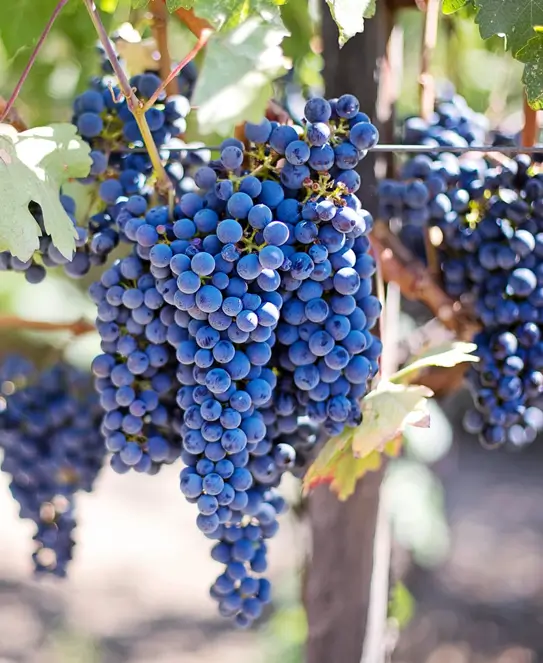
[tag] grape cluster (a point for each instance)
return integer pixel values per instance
(431, 186)
(103, 118)
(489, 218)
(49, 432)
(492, 258)
(255, 297)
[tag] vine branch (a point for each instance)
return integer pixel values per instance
(530, 128)
(32, 59)
(416, 282)
(136, 106)
(202, 41)
(76, 328)
(160, 33)
(194, 23)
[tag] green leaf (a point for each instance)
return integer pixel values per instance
(140, 4)
(451, 6)
(515, 19)
(519, 22)
(446, 356)
(231, 13)
(349, 16)
(235, 82)
(33, 166)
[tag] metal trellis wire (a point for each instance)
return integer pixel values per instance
(409, 149)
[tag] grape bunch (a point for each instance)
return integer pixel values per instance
(431, 186)
(492, 259)
(49, 433)
(103, 118)
(237, 317)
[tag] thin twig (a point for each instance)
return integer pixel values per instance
(530, 130)
(160, 33)
(135, 105)
(77, 327)
(202, 41)
(32, 59)
(194, 23)
(429, 40)
(12, 116)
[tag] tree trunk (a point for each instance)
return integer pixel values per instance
(339, 572)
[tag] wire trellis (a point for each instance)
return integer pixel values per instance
(408, 149)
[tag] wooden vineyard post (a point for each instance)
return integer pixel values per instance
(339, 570)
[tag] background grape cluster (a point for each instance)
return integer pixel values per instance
(488, 218)
(49, 433)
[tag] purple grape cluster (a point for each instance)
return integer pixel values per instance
(255, 296)
(492, 259)
(49, 433)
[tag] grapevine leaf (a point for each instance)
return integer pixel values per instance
(446, 356)
(235, 82)
(344, 459)
(514, 19)
(387, 411)
(451, 6)
(349, 16)
(341, 471)
(231, 13)
(518, 21)
(33, 166)
(140, 4)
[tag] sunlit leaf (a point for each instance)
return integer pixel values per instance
(446, 356)
(451, 6)
(387, 411)
(519, 22)
(33, 166)
(349, 16)
(235, 81)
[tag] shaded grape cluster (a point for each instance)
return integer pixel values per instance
(50, 436)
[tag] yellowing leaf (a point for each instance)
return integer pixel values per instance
(387, 411)
(446, 356)
(33, 166)
(341, 471)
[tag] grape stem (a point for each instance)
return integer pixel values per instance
(136, 106)
(32, 59)
(202, 41)
(77, 327)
